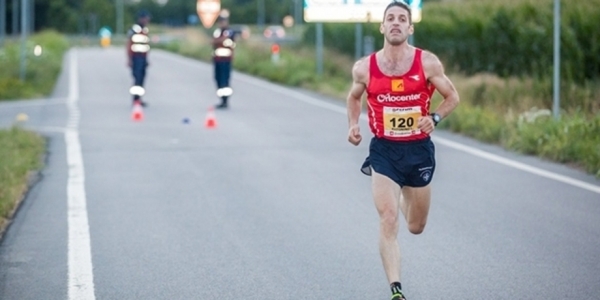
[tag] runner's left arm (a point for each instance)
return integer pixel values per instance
(434, 70)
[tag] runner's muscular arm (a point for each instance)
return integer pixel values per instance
(434, 70)
(354, 99)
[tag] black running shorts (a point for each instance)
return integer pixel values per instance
(406, 163)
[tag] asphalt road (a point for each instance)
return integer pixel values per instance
(271, 203)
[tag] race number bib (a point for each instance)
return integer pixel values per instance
(401, 121)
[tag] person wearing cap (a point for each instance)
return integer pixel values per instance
(137, 54)
(223, 45)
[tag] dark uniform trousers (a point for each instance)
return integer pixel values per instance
(222, 73)
(138, 69)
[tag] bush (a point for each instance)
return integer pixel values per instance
(41, 71)
(570, 140)
(508, 38)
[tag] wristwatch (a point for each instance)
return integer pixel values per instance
(436, 118)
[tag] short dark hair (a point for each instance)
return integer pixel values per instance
(143, 14)
(402, 4)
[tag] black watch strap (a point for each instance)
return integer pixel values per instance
(436, 118)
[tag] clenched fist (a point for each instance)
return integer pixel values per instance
(426, 124)
(354, 136)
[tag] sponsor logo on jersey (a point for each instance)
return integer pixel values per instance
(397, 85)
(397, 98)
(414, 77)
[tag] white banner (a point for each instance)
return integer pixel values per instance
(352, 11)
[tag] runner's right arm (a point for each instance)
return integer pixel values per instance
(354, 100)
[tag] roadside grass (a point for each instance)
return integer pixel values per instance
(20, 155)
(21, 150)
(41, 70)
(514, 112)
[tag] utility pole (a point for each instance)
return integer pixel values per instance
(298, 16)
(297, 10)
(556, 83)
(15, 17)
(2, 21)
(31, 24)
(320, 47)
(358, 41)
(261, 14)
(24, 21)
(120, 22)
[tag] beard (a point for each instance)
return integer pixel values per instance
(396, 40)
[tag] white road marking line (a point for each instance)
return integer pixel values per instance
(440, 140)
(81, 277)
(518, 165)
(33, 103)
(448, 143)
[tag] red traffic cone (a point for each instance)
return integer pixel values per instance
(137, 114)
(211, 121)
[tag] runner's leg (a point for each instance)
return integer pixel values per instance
(386, 194)
(415, 204)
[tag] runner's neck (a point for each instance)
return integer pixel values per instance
(395, 54)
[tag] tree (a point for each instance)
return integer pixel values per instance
(59, 15)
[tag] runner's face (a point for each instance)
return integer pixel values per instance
(144, 21)
(396, 26)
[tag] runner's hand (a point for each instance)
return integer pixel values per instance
(426, 124)
(354, 136)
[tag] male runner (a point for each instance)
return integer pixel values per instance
(400, 81)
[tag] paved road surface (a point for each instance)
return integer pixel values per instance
(270, 204)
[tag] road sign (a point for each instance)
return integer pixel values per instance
(350, 11)
(208, 11)
(353, 11)
(275, 53)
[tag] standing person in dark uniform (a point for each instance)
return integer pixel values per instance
(223, 44)
(137, 54)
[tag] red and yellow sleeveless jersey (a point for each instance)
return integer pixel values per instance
(396, 102)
